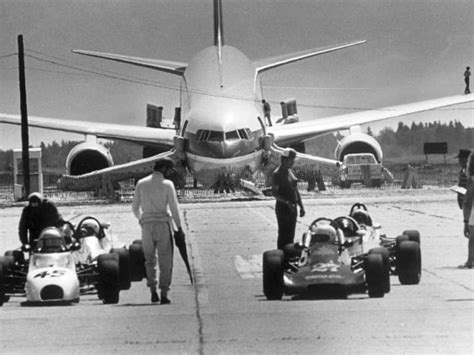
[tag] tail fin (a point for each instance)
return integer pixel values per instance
(218, 29)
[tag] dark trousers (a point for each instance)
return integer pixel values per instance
(286, 218)
(467, 90)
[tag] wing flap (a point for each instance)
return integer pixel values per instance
(136, 134)
(301, 131)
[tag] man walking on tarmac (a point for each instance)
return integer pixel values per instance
(285, 191)
(155, 205)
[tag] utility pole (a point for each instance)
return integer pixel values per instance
(24, 119)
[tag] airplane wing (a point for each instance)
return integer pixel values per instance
(285, 134)
(171, 67)
(135, 134)
(105, 178)
(273, 62)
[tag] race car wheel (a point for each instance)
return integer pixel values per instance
(292, 251)
(18, 256)
(109, 278)
(375, 275)
(413, 235)
(124, 267)
(408, 263)
(386, 266)
(137, 262)
(3, 298)
(273, 274)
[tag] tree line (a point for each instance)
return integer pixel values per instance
(404, 142)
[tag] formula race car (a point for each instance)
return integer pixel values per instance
(66, 262)
(341, 257)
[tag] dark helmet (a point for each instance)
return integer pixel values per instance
(35, 197)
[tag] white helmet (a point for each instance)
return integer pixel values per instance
(90, 227)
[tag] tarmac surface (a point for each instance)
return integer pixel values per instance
(225, 312)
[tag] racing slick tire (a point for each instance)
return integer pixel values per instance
(109, 278)
(18, 256)
(408, 263)
(137, 262)
(6, 263)
(375, 275)
(386, 266)
(292, 251)
(124, 267)
(273, 274)
(413, 235)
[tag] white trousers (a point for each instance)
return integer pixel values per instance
(156, 236)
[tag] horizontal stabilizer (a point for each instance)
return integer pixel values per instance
(171, 67)
(273, 62)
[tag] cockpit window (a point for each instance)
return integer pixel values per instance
(215, 136)
(231, 135)
(218, 136)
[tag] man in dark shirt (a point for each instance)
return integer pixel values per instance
(467, 75)
(39, 214)
(462, 180)
(285, 191)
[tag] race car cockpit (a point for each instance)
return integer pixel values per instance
(51, 241)
(322, 233)
(360, 214)
(348, 226)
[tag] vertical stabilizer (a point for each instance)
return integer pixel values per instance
(218, 29)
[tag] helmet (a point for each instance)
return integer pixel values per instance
(348, 226)
(34, 197)
(323, 234)
(362, 217)
(90, 227)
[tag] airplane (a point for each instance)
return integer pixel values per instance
(222, 127)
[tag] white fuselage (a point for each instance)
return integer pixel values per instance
(222, 114)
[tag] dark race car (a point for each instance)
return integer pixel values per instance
(341, 257)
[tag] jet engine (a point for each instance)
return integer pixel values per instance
(86, 157)
(358, 142)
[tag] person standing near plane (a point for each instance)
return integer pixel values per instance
(155, 205)
(468, 214)
(462, 179)
(285, 191)
(266, 111)
(467, 75)
(39, 214)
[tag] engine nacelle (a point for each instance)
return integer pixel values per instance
(86, 157)
(358, 142)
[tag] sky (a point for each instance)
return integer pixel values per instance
(416, 50)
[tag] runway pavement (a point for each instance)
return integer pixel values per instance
(226, 312)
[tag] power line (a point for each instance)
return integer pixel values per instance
(8, 55)
(146, 82)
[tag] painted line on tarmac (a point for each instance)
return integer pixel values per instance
(248, 267)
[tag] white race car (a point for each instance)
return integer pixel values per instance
(52, 274)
